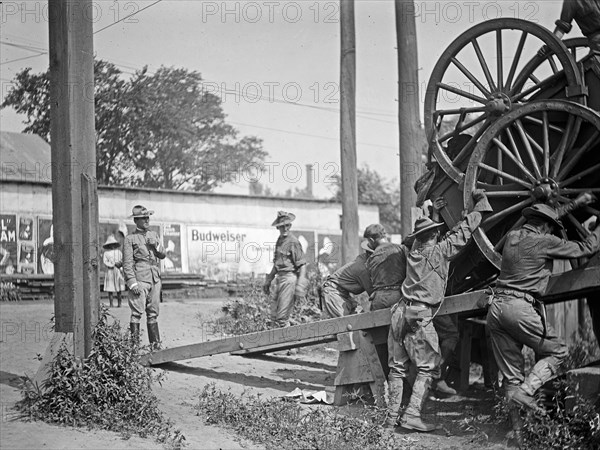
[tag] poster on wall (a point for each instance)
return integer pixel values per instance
(307, 240)
(172, 243)
(45, 246)
(26, 258)
(223, 254)
(8, 243)
(329, 254)
(26, 228)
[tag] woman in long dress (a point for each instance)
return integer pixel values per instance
(113, 260)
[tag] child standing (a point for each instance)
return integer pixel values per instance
(113, 260)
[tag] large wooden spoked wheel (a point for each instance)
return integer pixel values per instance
(545, 151)
(480, 77)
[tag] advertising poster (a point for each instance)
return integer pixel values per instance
(307, 240)
(46, 255)
(26, 228)
(172, 243)
(329, 255)
(8, 243)
(223, 253)
(26, 257)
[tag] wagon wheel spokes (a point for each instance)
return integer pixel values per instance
(592, 141)
(540, 152)
(473, 81)
(526, 140)
(579, 176)
(483, 64)
(515, 157)
(497, 217)
(504, 175)
(581, 231)
(516, 59)
(566, 143)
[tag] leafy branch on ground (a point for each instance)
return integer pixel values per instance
(109, 390)
(250, 312)
(281, 424)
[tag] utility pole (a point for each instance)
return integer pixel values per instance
(74, 188)
(348, 133)
(408, 110)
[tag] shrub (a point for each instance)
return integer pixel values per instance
(564, 428)
(279, 424)
(9, 293)
(109, 390)
(250, 312)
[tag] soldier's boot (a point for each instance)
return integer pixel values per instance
(412, 420)
(395, 389)
(154, 336)
(514, 415)
(524, 394)
(134, 329)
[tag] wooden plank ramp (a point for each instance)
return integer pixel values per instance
(566, 286)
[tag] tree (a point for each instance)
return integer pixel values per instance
(157, 130)
(372, 188)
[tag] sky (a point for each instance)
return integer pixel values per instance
(287, 52)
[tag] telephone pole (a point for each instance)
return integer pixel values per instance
(408, 110)
(348, 133)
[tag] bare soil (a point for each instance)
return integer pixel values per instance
(25, 334)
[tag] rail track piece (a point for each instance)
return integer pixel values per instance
(482, 76)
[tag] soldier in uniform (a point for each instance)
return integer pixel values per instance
(387, 267)
(515, 317)
(142, 251)
(587, 15)
(287, 280)
(340, 287)
(412, 336)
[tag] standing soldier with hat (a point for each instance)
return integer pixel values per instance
(515, 317)
(287, 280)
(412, 336)
(113, 279)
(339, 287)
(141, 252)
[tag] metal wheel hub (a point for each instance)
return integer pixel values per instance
(499, 104)
(545, 190)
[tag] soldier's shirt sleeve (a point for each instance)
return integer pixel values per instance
(297, 255)
(457, 238)
(568, 11)
(128, 263)
(554, 247)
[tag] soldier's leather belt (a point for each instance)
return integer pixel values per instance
(518, 294)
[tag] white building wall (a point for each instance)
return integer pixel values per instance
(190, 211)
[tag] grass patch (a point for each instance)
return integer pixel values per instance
(280, 424)
(250, 312)
(110, 390)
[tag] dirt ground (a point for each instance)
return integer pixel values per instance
(25, 334)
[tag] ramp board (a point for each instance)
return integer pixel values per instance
(566, 286)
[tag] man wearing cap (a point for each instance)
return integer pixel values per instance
(515, 317)
(339, 288)
(141, 253)
(287, 279)
(412, 336)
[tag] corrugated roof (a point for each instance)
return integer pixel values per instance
(24, 157)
